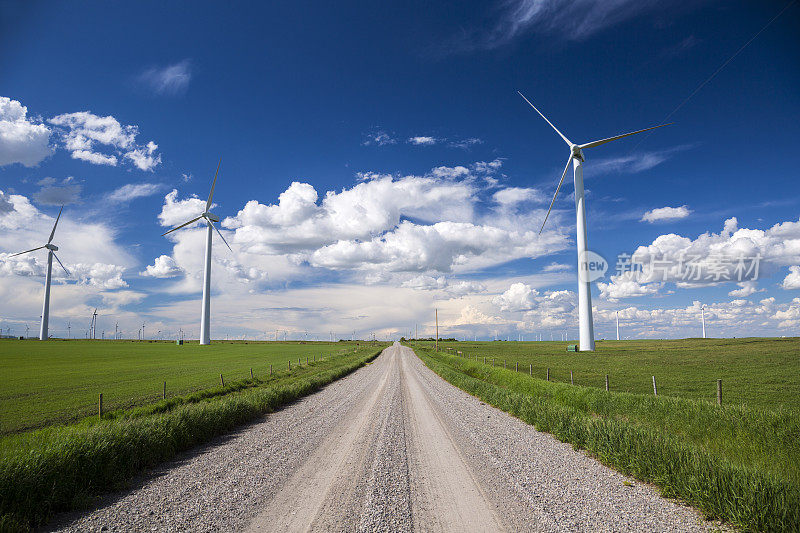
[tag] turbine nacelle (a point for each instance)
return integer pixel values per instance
(207, 214)
(52, 247)
(576, 152)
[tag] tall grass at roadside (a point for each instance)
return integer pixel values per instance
(60, 468)
(734, 464)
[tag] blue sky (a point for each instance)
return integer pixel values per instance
(439, 172)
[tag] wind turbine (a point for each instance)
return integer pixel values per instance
(703, 318)
(205, 315)
(51, 252)
(584, 285)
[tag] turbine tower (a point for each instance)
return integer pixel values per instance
(205, 315)
(584, 285)
(51, 253)
(703, 318)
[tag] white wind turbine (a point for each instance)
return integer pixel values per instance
(51, 252)
(205, 315)
(584, 285)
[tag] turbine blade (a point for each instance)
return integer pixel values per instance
(556, 194)
(221, 237)
(62, 266)
(213, 184)
(26, 251)
(54, 226)
(569, 143)
(603, 141)
(182, 225)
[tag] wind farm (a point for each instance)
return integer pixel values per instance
(406, 327)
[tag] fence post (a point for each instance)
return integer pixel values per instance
(290, 365)
(306, 359)
(571, 382)
(655, 390)
(270, 370)
(484, 360)
(164, 393)
(100, 407)
(548, 374)
(719, 392)
(516, 366)
(221, 380)
(251, 372)
(606, 382)
(530, 369)
(504, 363)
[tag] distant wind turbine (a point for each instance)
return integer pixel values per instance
(584, 285)
(51, 252)
(703, 318)
(205, 315)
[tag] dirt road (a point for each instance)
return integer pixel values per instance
(390, 448)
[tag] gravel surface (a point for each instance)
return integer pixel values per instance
(392, 447)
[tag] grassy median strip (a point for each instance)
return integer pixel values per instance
(733, 463)
(62, 467)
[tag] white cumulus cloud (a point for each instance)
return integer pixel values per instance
(792, 279)
(666, 213)
(175, 211)
(84, 135)
(22, 140)
(733, 255)
(164, 266)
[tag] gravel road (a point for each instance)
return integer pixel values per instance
(392, 447)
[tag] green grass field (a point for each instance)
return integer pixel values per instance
(739, 462)
(59, 381)
(61, 467)
(757, 372)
